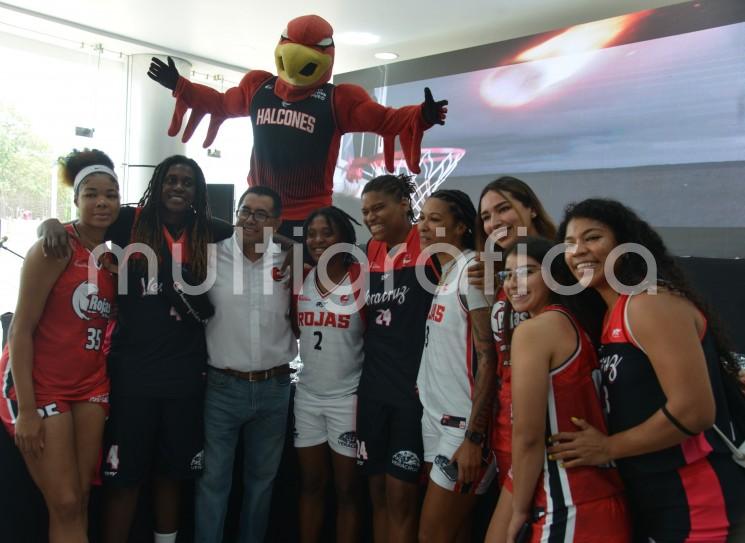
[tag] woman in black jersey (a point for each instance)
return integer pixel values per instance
(389, 413)
(664, 363)
(157, 355)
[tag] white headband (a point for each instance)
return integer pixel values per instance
(85, 172)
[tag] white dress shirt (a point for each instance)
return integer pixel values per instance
(250, 330)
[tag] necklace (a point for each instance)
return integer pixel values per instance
(87, 243)
(445, 272)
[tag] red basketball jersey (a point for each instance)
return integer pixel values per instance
(68, 355)
(573, 392)
(501, 432)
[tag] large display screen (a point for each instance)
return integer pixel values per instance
(648, 108)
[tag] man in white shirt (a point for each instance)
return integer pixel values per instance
(249, 345)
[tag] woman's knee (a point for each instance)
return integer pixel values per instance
(402, 500)
(313, 483)
(378, 498)
(65, 505)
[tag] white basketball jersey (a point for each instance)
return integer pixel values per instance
(331, 336)
(448, 369)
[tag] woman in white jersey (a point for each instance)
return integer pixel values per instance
(331, 326)
(457, 374)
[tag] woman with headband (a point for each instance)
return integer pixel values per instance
(331, 324)
(158, 355)
(55, 387)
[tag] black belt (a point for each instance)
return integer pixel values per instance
(253, 376)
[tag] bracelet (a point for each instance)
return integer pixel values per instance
(676, 422)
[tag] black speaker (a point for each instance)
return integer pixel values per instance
(220, 197)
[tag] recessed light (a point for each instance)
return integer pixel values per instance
(386, 56)
(357, 38)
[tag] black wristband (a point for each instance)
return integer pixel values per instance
(676, 422)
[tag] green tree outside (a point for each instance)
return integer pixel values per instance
(26, 159)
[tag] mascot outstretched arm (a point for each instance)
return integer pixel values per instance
(298, 117)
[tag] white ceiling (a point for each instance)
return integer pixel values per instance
(243, 34)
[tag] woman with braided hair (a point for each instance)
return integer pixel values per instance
(55, 388)
(389, 413)
(157, 355)
(457, 374)
(331, 324)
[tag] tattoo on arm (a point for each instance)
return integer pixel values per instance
(485, 386)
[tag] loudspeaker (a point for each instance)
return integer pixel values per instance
(220, 197)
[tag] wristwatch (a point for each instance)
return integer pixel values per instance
(475, 437)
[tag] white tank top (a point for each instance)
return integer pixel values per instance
(331, 336)
(448, 369)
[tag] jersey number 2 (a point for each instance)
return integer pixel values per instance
(319, 336)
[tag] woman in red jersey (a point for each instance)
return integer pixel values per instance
(664, 364)
(552, 352)
(55, 387)
(508, 207)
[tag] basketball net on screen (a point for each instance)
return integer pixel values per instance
(437, 163)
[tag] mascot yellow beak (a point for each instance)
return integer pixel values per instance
(305, 53)
(300, 65)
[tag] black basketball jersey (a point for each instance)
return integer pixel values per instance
(291, 145)
(396, 318)
(631, 393)
(154, 352)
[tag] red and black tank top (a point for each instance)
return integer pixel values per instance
(291, 148)
(631, 393)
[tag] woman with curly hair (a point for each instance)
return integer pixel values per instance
(55, 387)
(664, 364)
(157, 355)
(331, 326)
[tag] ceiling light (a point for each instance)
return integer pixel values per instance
(357, 38)
(386, 56)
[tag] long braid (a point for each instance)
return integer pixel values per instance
(148, 227)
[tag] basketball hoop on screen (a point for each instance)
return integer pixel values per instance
(437, 163)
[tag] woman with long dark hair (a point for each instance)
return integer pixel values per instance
(508, 208)
(55, 387)
(554, 365)
(330, 320)
(157, 355)
(664, 363)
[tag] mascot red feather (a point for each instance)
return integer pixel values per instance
(298, 117)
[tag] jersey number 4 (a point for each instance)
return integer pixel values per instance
(384, 317)
(94, 339)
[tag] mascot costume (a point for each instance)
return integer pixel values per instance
(298, 117)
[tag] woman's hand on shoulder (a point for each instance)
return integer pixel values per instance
(55, 239)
